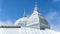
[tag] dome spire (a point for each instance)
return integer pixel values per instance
(24, 13)
(35, 6)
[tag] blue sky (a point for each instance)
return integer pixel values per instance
(11, 10)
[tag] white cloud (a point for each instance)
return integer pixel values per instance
(0, 9)
(51, 16)
(54, 20)
(56, 0)
(5, 23)
(55, 27)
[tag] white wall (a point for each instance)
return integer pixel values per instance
(9, 30)
(25, 30)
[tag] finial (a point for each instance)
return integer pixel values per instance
(35, 4)
(24, 13)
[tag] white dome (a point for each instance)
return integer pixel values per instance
(36, 20)
(21, 21)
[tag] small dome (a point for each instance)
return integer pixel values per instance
(21, 21)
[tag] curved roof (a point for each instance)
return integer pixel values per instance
(21, 21)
